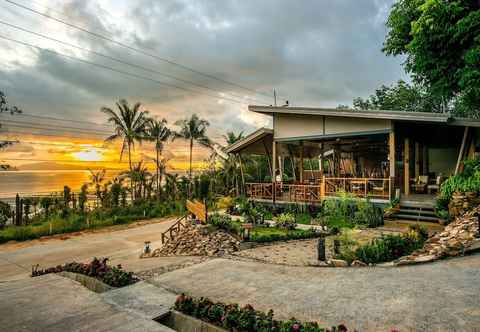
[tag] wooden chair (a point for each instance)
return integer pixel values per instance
(435, 186)
(421, 184)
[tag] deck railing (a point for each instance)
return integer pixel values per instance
(329, 186)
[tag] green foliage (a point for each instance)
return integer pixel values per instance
(286, 221)
(368, 214)
(224, 222)
(5, 213)
(467, 181)
(271, 234)
(391, 246)
(441, 41)
(243, 319)
(59, 222)
(114, 276)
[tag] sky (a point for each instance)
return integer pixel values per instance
(312, 52)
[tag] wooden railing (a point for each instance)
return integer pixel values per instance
(329, 186)
(171, 232)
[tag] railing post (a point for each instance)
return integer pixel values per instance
(366, 187)
(322, 187)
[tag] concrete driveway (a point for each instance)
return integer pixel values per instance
(123, 246)
(442, 296)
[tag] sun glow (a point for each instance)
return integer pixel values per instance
(88, 155)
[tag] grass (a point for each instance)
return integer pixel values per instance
(270, 234)
(75, 221)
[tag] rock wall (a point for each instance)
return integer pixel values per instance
(197, 240)
(458, 237)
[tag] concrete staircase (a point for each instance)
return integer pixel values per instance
(417, 211)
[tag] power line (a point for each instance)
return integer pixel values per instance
(16, 132)
(84, 145)
(74, 161)
(24, 124)
(118, 71)
(60, 119)
(132, 48)
(124, 62)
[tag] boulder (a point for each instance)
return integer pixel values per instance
(338, 263)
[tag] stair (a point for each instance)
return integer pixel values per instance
(417, 211)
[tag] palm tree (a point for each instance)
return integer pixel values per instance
(158, 132)
(193, 130)
(129, 124)
(96, 179)
(231, 163)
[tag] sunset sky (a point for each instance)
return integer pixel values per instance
(321, 53)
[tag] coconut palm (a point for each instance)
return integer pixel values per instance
(231, 166)
(96, 180)
(194, 130)
(129, 124)
(158, 132)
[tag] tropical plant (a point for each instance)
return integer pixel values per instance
(6, 108)
(96, 180)
(441, 44)
(130, 124)
(158, 132)
(193, 130)
(286, 221)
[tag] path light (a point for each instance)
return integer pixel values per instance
(146, 248)
(321, 249)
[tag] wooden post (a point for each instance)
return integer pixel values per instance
(417, 160)
(391, 158)
(406, 166)
(301, 161)
(274, 171)
(425, 160)
(462, 149)
(322, 187)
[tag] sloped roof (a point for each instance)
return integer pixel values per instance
(254, 137)
(445, 118)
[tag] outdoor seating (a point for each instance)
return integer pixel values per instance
(435, 187)
(421, 184)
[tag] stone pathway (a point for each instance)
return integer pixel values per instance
(441, 296)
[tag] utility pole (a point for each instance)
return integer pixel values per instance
(274, 98)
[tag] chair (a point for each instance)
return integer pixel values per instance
(435, 186)
(421, 184)
(379, 188)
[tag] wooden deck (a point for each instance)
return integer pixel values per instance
(373, 188)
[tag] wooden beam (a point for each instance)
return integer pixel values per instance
(301, 161)
(406, 166)
(391, 153)
(425, 159)
(462, 150)
(417, 160)
(274, 170)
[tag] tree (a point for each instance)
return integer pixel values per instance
(6, 108)
(96, 179)
(400, 97)
(158, 132)
(130, 125)
(441, 42)
(193, 130)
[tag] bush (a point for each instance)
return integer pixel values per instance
(221, 221)
(368, 214)
(273, 236)
(242, 319)
(467, 181)
(286, 221)
(114, 276)
(390, 247)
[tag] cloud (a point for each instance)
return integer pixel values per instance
(314, 53)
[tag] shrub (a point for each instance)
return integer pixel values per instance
(368, 214)
(286, 221)
(242, 319)
(225, 202)
(467, 181)
(297, 234)
(114, 276)
(221, 221)
(391, 246)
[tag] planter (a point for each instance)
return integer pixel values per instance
(92, 284)
(184, 323)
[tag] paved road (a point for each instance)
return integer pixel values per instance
(122, 246)
(54, 303)
(442, 296)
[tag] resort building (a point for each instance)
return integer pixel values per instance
(378, 154)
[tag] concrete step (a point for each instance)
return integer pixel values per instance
(418, 212)
(416, 217)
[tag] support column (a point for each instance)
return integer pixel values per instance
(391, 162)
(274, 171)
(301, 161)
(417, 160)
(462, 151)
(406, 166)
(425, 159)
